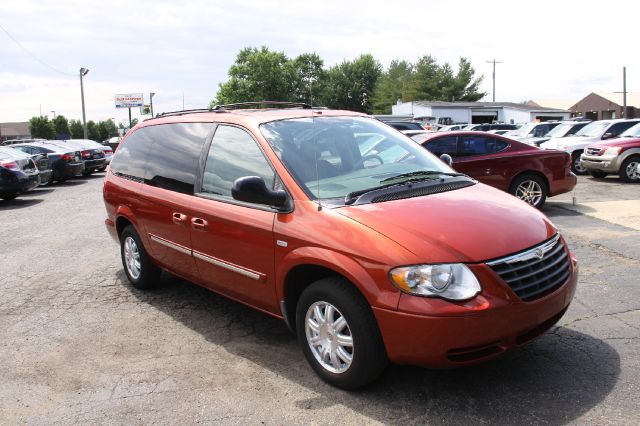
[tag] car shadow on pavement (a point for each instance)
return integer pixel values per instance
(37, 192)
(555, 379)
(19, 203)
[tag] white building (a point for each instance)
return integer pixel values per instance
(479, 112)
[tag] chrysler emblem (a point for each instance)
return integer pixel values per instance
(539, 253)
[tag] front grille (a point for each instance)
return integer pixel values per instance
(531, 276)
(593, 151)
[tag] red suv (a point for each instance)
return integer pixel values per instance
(369, 257)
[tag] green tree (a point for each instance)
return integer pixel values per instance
(92, 131)
(107, 129)
(257, 75)
(350, 85)
(61, 126)
(466, 84)
(394, 84)
(76, 129)
(41, 127)
(308, 78)
(426, 80)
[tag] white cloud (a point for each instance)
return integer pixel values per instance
(550, 49)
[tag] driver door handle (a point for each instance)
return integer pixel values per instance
(179, 218)
(199, 224)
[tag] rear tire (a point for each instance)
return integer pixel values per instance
(629, 171)
(140, 271)
(341, 335)
(531, 189)
(8, 197)
(576, 166)
(598, 174)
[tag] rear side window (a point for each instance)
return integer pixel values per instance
(480, 145)
(618, 128)
(233, 154)
(130, 159)
(172, 160)
(445, 145)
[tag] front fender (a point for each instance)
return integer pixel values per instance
(370, 278)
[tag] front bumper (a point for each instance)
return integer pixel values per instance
(601, 163)
(434, 333)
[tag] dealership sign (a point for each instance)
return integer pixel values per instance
(129, 100)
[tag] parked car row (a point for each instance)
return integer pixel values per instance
(51, 161)
(571, 136)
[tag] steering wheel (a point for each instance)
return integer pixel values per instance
(367, 158)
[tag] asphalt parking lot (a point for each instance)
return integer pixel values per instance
(79, 345)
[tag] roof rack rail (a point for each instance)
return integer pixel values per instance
(258, 104)
(181, 112)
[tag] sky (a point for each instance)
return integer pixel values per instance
(549, 49)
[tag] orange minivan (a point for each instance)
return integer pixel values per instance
(369, 247)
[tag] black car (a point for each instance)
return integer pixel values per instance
(93, 158)
(64, 162)
(494, 126)
(405, 125)
(18, 173)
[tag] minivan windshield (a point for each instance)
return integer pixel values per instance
(633, 132)
(593, 129)
(331, 157)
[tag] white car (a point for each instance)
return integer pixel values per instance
(591, 133)
(531, 131)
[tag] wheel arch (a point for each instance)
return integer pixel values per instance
(537, 173)
(301, 268)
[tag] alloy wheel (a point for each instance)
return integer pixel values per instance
(329, 337)
(632, 170)
(577, 165)
(132, 258)
(529, 191)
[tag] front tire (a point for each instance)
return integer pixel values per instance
(531, 189)
(629, 171)
(339, 334)
(576, 165)
(140, 271)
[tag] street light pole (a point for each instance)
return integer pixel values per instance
(54, 114)
(151, 102)
(83, 72)
(494, 62)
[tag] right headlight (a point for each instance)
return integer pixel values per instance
(451, 281)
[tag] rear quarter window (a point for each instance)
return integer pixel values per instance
(174, 154)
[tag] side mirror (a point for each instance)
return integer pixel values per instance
(252, 189)
(608, 136)
(446, 158)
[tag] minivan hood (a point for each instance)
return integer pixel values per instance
(471, 224)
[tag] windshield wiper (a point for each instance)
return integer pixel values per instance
(351, 197)
(419, 175)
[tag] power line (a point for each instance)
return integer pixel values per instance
(34, 56)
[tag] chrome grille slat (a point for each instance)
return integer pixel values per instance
(556, 260)
(534, 277)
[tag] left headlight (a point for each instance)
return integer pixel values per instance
(452, 281)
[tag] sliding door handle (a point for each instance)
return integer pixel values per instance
(199, 224)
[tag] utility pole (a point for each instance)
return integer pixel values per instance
(183, 101)
(151, 102)
(624, 92)
(494, 62)
(83, 72)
